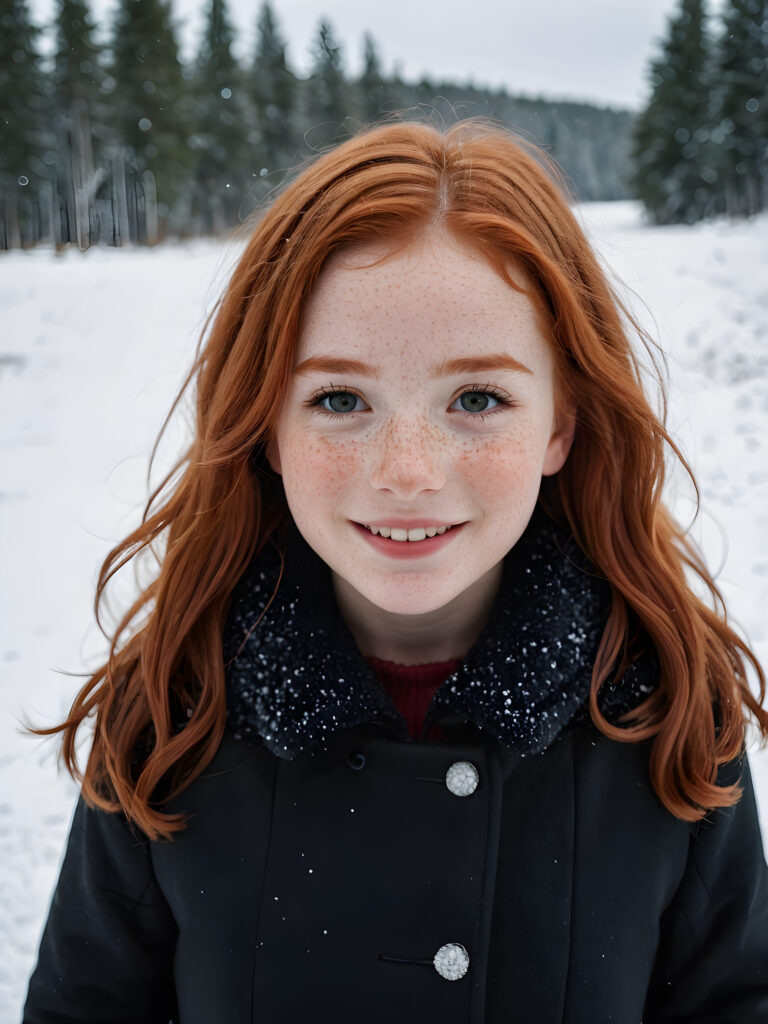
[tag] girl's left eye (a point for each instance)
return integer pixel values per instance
(477, 401)
(474, 402)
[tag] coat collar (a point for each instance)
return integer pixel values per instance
(295, 675)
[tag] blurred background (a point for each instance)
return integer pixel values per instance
(136, 136)
(140, 120)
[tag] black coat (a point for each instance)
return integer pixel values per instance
(328, 859)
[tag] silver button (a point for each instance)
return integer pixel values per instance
(451, 961)
(462, 778)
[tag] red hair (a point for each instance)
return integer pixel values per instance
(220, 506)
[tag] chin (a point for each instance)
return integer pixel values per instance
(401, 602)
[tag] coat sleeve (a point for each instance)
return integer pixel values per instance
(107, 948)
(712, 961)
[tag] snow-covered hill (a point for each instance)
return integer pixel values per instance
(92, 350)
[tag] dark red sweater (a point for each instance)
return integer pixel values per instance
(412, 688)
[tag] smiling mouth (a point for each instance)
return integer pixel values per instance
(398, 534)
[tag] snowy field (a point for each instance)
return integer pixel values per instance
(92, 349)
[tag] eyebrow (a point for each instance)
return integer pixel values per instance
(446, 368)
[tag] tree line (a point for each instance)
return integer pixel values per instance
(123, 141)
(701, 145)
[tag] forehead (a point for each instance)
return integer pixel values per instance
(432, 295)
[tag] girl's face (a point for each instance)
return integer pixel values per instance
(423, 396)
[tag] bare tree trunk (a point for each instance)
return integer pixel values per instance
(48, 204)
(11, 221)
(85, 180)
(120, 199)
(150, 207)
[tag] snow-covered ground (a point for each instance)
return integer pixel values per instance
(92, 350)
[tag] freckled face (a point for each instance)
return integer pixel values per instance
(416, 438)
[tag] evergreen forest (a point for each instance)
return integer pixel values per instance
(119, 140)
(701, 145)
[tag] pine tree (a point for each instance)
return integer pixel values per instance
(673, 175)
(327, 96)
(371, 87)
(77, 78)
(274, 91)
(77, 74)
(740, 129)
(152, 165)
(221, 115)
(26, 153)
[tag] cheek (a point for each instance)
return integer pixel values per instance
(317, 468)
(504, 469)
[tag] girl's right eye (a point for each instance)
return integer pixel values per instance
(339, 402)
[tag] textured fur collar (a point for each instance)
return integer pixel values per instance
(298, 676)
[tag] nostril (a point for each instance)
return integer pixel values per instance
(356, 760)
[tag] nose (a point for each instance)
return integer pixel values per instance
(408, 458)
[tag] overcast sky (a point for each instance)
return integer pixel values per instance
(582, 49)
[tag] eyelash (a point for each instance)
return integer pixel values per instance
(483, 389)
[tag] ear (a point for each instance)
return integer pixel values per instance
(273, 456)
(560, 442)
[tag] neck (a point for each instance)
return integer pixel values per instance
(444, 634)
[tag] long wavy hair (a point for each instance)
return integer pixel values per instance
(222, 504)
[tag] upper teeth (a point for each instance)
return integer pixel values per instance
(394, 533)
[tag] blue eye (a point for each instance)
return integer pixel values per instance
(477, 401)
(339, 402)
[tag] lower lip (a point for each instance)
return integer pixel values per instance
(408, 548)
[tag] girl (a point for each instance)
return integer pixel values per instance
(420, 718)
